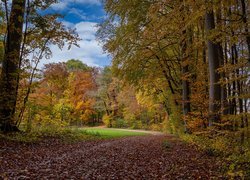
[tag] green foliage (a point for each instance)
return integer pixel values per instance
(76, 65)
(120, 123)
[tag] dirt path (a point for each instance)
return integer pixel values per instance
(141, 157)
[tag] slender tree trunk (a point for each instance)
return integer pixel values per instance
(10, 70)
(115, 104)
(234, 77)
(185, 71)
(228, 85)
(185, 93)
(213, 60)
(186, 108)
(106, 108)
(26, 98)
(224, 103)
(246, 111)
(29, 123)
(244, 13)
(238, 82)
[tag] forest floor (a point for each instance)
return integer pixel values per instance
(140, 157)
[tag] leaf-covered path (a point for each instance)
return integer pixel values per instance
(142, 157)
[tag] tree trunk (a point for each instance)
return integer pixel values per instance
(187, 40)
(10, 70)
(234, 77)
(239, 88)
(244, 13)
(115, 104)
(186, 108)
(214, 76)
(185, 92)
(106, 108)
(224, 103)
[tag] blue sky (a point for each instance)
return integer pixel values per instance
(83, 15)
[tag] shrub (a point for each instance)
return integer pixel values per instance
(107, 120)
(136, 125)
(156, 127)
(120, 123)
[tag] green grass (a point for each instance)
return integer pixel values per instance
(111, 133)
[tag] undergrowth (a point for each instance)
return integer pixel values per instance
(68, 135)
(228, 146)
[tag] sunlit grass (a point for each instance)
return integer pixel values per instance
(111, 133)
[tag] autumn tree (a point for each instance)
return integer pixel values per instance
(36, 33)
(63, 96)
(76, 65)
(10, 68)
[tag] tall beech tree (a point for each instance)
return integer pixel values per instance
(214, 64)
(10, 69)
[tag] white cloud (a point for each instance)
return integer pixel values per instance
(63, 4)
(86, 30)
(68, 24)
(90, 52)
(59, 6)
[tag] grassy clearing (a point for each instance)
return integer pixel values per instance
(68, 135)
(111, 133)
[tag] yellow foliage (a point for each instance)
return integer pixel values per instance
(156, 127)
(107, 120)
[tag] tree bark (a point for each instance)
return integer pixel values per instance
(224, 102)
(10, 70)
(185, 71)
(244, 13)
(186, 107)
(214, 76)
